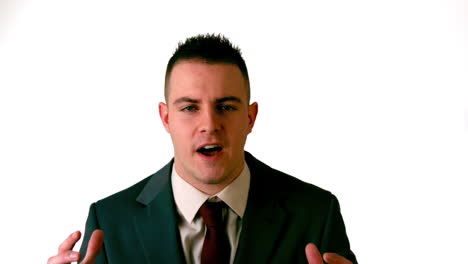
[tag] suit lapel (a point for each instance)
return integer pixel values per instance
(156, 222)
(263, 220)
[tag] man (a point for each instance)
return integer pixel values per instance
(214, 202)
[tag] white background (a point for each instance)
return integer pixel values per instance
(365, 98)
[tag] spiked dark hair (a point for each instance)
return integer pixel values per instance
(209, 48)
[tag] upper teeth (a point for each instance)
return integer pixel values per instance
(210, 146)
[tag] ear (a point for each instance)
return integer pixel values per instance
(164, 114)
(253, 110)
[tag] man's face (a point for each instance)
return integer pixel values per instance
(208, 117)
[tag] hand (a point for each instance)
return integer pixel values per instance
(313, 256)
(66, 254)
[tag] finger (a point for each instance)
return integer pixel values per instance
(313, 254)
(64, 257)
(94, 246)
(333, 258)
(70, 242)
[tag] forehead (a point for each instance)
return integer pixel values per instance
(198, 79)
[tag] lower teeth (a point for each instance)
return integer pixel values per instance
(208, 152)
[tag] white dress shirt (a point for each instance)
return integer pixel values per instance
(188, 201)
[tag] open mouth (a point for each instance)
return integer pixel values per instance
(210, 150)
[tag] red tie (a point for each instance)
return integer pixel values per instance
(216, 248)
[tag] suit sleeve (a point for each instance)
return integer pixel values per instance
(335, 239)
(91, 225)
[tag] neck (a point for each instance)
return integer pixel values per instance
(207, 185)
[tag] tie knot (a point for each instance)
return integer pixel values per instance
(212, 213)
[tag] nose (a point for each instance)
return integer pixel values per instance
(210, 121)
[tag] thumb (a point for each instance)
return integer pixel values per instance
(94, 246)
(313, 254)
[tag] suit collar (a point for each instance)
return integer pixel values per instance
(189, 199)
(155, 184)
(156, 222)
(264, 218)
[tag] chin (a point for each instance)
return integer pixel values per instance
(213, 181)
(210, 176)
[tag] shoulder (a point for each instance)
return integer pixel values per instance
(288, 190)
(120, 203)
(138, 192)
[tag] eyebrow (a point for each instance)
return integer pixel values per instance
(186, 99)
(228, 98)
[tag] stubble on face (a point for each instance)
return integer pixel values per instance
(208, 117)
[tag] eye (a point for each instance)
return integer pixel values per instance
(226, 108)
(189, 108)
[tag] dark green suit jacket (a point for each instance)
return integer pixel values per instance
(283, 214)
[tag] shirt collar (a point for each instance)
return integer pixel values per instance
(189, 199)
